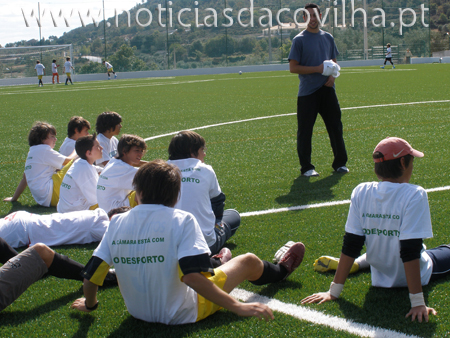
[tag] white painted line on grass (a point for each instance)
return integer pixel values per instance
(318, 205)
(290, 114)
(316, 317)
(299, 207)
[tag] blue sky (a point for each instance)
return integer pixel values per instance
(12, 23)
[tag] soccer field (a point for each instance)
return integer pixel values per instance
(250, 126)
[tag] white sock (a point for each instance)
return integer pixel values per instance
(362, 262)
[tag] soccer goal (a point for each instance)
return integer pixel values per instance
(17, 62)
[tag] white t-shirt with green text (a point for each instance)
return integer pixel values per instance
(145, 245)
(386, 213)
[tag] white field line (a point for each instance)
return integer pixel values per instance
(318, 205)
(290, 114)
(81, 87)
(316, 317)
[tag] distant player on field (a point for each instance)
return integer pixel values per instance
(109, 69)
(40, 71)
(391, 217)
(68, 69)
(388, 56)
(55, 72)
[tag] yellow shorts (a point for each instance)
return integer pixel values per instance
(110, 70)
(40, 77)
(57, 180)
(68, 74)
(205, 307)
(132, 199)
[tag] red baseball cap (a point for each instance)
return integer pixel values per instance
(393, 148)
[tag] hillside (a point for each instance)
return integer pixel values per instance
(138, 46)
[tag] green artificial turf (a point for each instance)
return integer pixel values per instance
(257, 167)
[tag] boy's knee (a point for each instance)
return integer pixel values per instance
(250, 259)
(45, 253)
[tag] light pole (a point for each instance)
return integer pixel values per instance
(104, 26)
(226, 40)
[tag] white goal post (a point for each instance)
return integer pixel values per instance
(18, 61)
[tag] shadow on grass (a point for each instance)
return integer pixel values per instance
(387, 308)
(34, 209)
(270, 290)
(132, 327)
(85, 323)
(16, 318)
(306, 189)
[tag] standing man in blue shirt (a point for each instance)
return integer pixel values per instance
(310, 49)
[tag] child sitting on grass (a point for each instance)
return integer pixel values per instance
(391, 218)
(200, 190)
(76, 128)
(171, 281)
(114, 186)
(108, 126)
(79, 187)
(43, 173)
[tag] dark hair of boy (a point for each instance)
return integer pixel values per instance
(38, 61)
(54, 61)
(392, 168)
(39, 132)
(77, 123)
(83, 144)
(158, 182)
(185, 144)
(107, 121)
(116, 211)
(127, 141)
(309, 5)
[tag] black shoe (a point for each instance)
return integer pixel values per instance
(111, 278)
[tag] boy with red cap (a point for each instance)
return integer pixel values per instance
(391, 217)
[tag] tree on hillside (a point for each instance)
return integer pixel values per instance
(124, 60)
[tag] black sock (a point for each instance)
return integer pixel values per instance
(64, 267)
(215, 262)
(272, 273)
(6, 251)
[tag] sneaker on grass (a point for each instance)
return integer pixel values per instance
(224, 255)
(290, 256)
(328, 263)
(342, 170)
(310, 173)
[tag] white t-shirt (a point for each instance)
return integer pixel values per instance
(114, 184)
(54, 68)
(22, 228)
(67, 66)
(39, 68)
(198, 185)
(145, 245)
(388, 54)
(109, 148)
(67, 147)
(108, 65)
(79, 187)
(42, 162)
(386, 213)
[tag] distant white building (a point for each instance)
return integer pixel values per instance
(285, 29)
